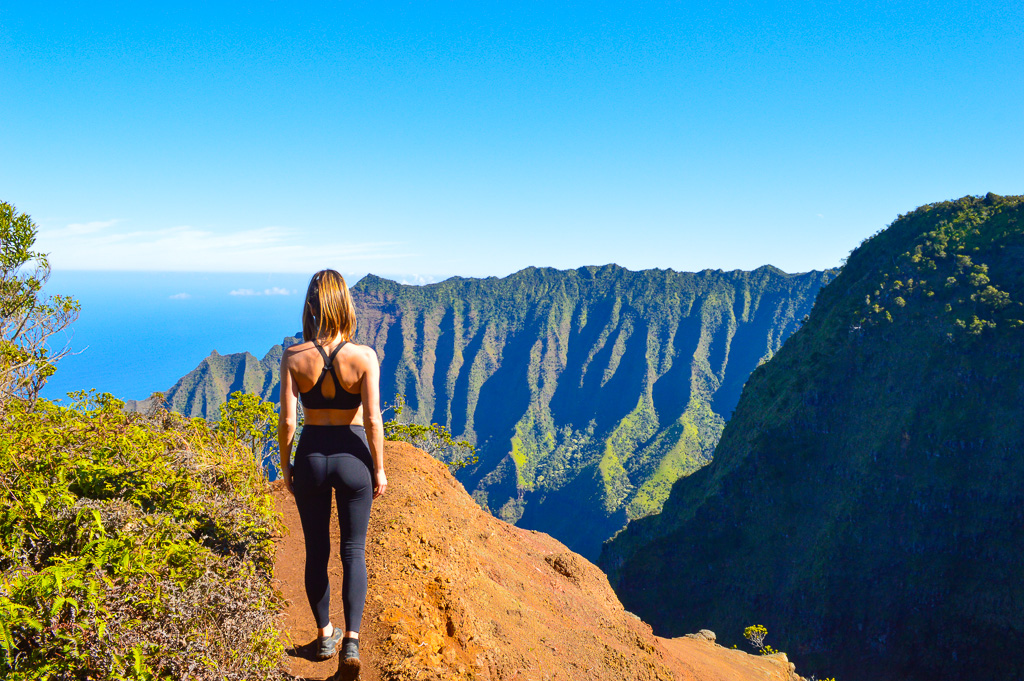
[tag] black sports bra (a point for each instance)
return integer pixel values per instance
(314, 397)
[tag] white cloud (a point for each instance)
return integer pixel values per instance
(101, 245)
(274, 291)
(80, 228)
(420, 279)
(180, 296)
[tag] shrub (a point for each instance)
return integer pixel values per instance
(434, 439)
(755, 634)
(251, 421)
(132, 547)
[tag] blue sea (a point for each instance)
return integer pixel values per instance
(139, 332)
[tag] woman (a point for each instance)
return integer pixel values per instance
(341, 449)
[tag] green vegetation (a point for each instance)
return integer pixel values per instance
(938, 264)
(247, 419)
(756, 634)
(434, 439)
(586, 393)
(132, 546)
(870, 479)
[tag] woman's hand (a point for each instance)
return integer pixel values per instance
(382, 483)
(286, 475)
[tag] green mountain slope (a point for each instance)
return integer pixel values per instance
(588, 392)
(205, 388)
(866, 500)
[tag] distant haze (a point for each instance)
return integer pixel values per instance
(141, 331)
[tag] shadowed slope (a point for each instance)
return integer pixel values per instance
(865, 501)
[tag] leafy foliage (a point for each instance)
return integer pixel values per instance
(132, 547)
(434, 439)
(27, 319)
(756, 634)
(249, 420)
(942, 264)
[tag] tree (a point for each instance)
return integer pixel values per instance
(250, 420)
(27, 318)
(434, 439)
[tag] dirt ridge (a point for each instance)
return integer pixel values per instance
(455, 593)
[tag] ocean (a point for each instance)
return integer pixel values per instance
(139, 332)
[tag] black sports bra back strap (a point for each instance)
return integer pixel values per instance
(329, 363)
(327, 360)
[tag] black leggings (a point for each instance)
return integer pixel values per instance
(335, 457)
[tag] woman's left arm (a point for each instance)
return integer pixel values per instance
(373, 422)
(286, 420)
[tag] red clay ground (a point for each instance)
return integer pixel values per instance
(455, 593)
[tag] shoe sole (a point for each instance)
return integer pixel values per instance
(348, 670)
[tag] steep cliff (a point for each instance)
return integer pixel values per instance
(866, 501)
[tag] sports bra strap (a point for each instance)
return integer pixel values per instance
(330, 360)
(327, 360)
(314, 397)
(329, 363)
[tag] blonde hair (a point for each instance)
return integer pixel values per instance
(328, 311)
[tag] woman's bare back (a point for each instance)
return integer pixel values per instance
(305, 365)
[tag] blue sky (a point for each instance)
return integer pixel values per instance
(480, 138)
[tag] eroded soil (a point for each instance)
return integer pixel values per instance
(455, 593)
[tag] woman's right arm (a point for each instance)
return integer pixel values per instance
(286, 420)
(373, 422)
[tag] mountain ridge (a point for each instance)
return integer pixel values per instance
(598, 384)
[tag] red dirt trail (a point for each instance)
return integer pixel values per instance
(455, 593)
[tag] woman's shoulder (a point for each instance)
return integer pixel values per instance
(297, 349)
(358, 347)
(363, 351)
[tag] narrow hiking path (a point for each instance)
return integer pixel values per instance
(455, 593)
(298, 625)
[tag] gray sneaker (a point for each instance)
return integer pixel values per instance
(348, 661)
(327, 646)
(350, 652)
